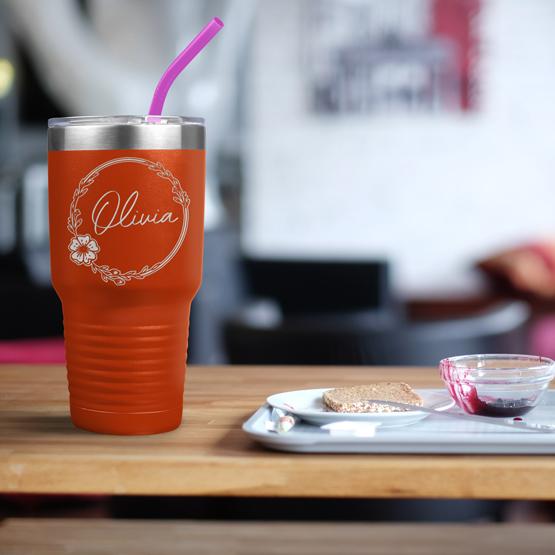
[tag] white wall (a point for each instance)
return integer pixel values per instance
(430, 193)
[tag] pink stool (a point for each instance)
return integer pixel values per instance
(33, 351)
(542, 336)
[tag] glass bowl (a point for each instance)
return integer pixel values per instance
(497, 385)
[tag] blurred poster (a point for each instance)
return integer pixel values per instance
(376, 56)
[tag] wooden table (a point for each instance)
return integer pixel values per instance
(105, 537)
(41, 452)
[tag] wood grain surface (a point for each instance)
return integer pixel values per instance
(41, 451)
(108, 537)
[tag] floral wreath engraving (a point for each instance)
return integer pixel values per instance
(84, 250)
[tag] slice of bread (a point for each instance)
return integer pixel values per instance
(356, 398)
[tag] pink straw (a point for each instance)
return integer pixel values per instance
(180, 63)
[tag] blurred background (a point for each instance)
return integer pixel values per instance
(379, 171)
(380, 174)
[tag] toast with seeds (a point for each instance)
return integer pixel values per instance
(358, 398)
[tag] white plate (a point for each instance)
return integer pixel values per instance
(308, 405)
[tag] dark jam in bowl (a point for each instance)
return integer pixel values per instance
(509, 386)
(501, 408)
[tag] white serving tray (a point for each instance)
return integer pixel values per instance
(435, 434)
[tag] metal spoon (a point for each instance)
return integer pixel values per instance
(518, 424)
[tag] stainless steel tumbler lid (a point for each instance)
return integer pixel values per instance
(126, 133)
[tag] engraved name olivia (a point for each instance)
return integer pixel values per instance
(110, 212)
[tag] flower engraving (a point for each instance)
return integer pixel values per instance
(83, 249)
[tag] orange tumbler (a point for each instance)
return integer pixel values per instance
(126, 206)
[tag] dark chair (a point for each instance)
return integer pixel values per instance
(321, 286)
(260, 334)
